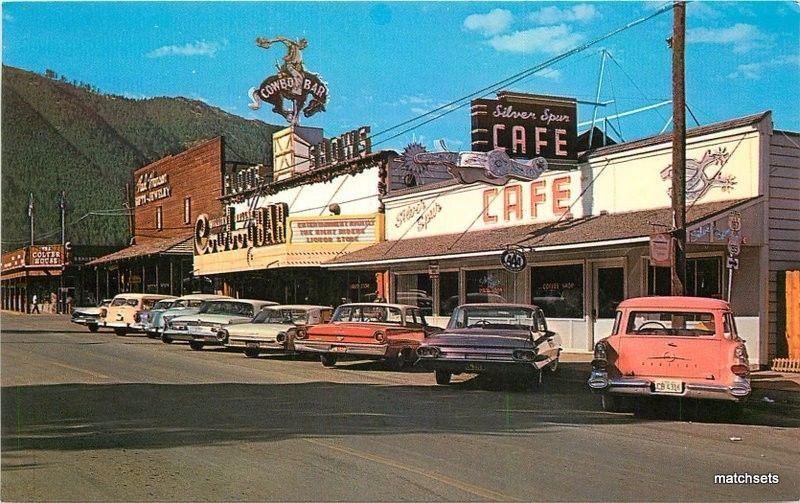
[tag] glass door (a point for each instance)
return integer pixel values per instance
(609, 291)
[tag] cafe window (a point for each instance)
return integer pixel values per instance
(703, 278)
(448, 293)
(187, 210)
(415, 290)
(558, 290)
(491, 285)
(159, 218)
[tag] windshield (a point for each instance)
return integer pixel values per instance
(498, 317)
(368, 314)
(228, 308)
(163, 304)
(671, 323)
(119, 301)
(105, 303)
(282, 316)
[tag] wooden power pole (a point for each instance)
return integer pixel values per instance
(679, 149)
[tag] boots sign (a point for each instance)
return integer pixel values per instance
(527, 126)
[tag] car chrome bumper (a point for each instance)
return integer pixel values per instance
(600, 381)
(133, 327)
(85, 321)
(374, 350)
(255, 343)
(477, 366)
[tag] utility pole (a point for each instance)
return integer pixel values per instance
(30, 215)
(678, 283)
(62, 206)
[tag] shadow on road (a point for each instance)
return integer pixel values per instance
(96, 416)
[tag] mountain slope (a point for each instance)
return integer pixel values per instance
(59, 136)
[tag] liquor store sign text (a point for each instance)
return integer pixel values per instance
(333, 230)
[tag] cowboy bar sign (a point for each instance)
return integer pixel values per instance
(266, 226)
(305, 91)
(527, 126)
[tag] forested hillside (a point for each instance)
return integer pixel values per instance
(57, 135)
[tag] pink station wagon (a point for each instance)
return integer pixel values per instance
(671, 346)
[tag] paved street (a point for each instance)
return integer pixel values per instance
(100, 417)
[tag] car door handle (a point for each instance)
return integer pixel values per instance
(672, 345)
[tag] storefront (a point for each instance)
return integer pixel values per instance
(318, 203)
(56, 274)
(585, 233)
(168, 196)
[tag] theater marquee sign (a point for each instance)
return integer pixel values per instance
(333, 230)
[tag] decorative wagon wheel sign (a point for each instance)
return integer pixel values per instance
(513, 259)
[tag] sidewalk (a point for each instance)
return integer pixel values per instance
(769, 388)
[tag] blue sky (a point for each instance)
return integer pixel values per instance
(387, 62)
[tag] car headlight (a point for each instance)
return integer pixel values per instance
(280, 336)
(222, 335)
(301, 333)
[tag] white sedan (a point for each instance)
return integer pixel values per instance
(271, 329)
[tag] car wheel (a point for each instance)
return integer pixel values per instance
(93, 328)
(611, 403)
(120, 331)
(327, 360)
(443, 377)
(196, 345)
(251, 353)
(166, 339)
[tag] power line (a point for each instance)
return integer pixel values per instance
(456, 104)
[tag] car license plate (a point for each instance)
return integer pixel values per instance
(666, 386)
(253, 345)
(474, 367)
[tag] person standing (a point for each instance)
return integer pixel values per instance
(35, 304)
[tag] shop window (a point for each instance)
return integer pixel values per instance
(492, 285)
(415, 290)
(159, 218)
(448, 293)
(558, 290)
(187, 210)
(703, 278)
(362, 287)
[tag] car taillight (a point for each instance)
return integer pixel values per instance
(380, 336)
(428, 351)
(740, 353)
(524, 355)
(600, 361)
(740, 370)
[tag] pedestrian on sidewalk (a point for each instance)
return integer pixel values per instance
(35, 304)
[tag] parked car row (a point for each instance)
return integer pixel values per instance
(659, 346)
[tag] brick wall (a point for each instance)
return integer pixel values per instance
(195, 173)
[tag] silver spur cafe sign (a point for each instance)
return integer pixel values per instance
(527, 126)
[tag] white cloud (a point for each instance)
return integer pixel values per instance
(544, 39)
(552, 15)
(494, 22)
(702, 10)
(199, 48)
(754, 71)
(551, 74)
(743, 37)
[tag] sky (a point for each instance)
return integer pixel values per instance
(385, 63)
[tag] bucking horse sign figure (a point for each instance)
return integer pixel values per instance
(292, 83)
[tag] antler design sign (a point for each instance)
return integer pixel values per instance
(292, 83)
(698, 180)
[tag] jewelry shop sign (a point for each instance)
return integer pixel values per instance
(152, 187)
(333, 230)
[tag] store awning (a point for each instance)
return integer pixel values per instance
(181, 245)
(590, 232)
